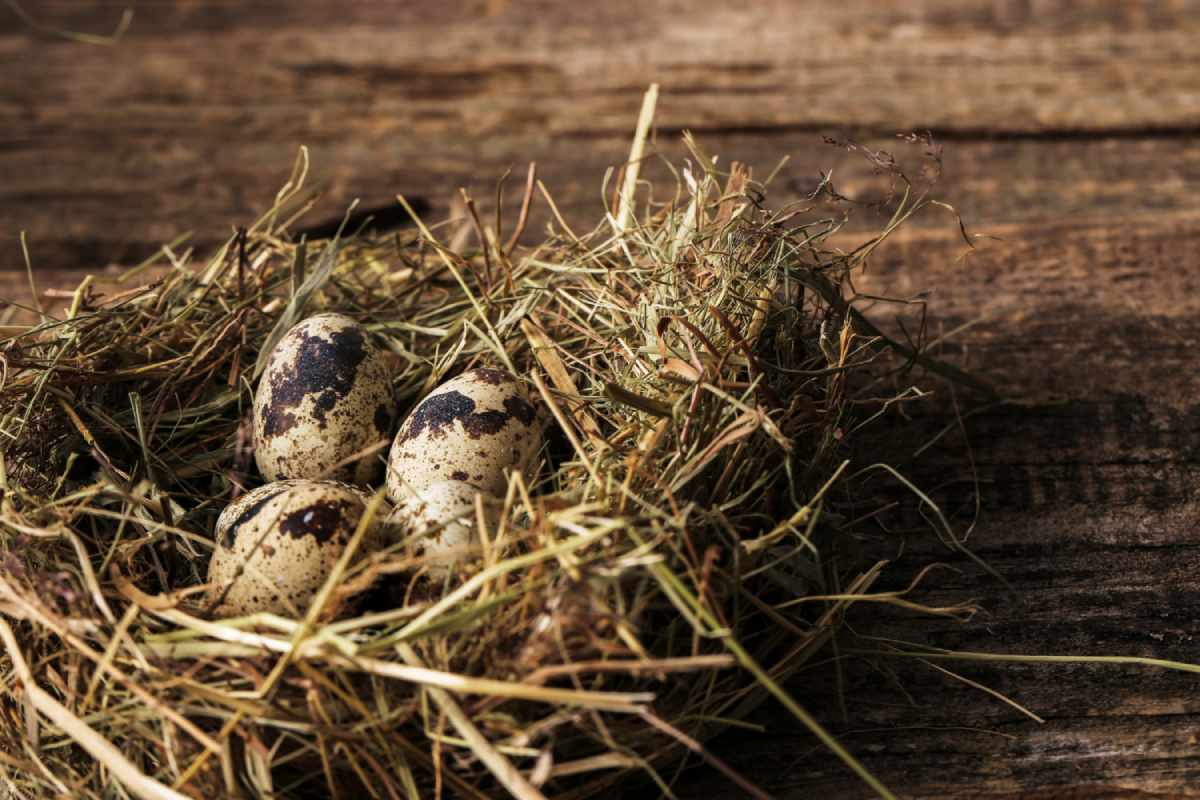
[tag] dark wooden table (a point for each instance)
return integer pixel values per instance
(1072, 133)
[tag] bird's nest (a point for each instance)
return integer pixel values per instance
(692, 539)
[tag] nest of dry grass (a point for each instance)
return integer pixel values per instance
(693, 537)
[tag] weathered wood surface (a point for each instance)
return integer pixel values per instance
(192, 122)
(1073, 134)
(1089, 509)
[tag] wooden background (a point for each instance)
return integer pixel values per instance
(1072, 133)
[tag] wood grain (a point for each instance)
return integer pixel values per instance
(1072, 133)
(192, 121)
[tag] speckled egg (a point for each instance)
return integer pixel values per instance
(326, 394)
(441, 521)
(276, 545)
(474, 429)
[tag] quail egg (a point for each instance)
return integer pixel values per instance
(441, 520)
(276, 545)
(326, 394)
(473, 429)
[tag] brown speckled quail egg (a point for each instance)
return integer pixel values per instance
(474, 429)
(276, 545)
(326, 394)
(440, 521)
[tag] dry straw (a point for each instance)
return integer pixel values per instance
(685, 549)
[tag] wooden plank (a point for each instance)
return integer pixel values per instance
(193, 120)
(1104, 577)
(991, 183)
(1088, 508)
(945, 17)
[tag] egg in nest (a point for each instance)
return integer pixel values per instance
(325, 395)
(441, 521)
(473, 429)
(276, 545)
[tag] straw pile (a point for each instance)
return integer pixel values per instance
(689, 542)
